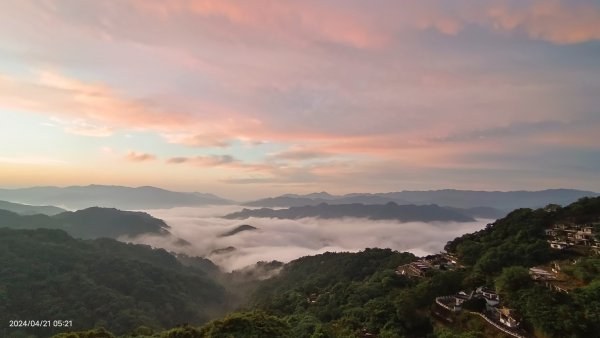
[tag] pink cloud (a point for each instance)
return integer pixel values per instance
(347, 23)
(294, 21)
(562, 22)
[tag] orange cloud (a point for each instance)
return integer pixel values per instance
(95, 109)
(58, 95)
(139, 157)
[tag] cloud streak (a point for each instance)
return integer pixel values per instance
(204, 161)
(134, 156)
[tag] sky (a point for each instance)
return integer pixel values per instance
(248, 99)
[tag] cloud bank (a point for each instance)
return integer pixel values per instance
(285, 240)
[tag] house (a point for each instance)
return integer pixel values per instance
(539, 274)
(587, 230)
(492, 299)
(450, 258)
(508, 317)
(418, 268)
(551, 208)
(487, 293)
(558, 245)
(459, 299)
(562, 235)
(561, 226)
(441, 261)
(583, 235)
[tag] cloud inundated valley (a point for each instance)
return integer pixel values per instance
(285, 240)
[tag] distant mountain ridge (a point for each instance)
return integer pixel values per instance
(26, 209)
(501, 200)
(288, 200)
(389, 211)
(89, 223)
(147, 197)
(79, 197)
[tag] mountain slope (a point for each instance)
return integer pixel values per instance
(79, 197)
(25, 209)
(89, 223)
(389, 211)
(47, 274)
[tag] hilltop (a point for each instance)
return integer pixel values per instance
(90, 223)
(26, 209)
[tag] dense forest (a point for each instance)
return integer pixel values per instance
(46, 274)
(134, 291)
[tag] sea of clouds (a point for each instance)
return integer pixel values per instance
(285, 240)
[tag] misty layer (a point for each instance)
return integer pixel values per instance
(284, 240)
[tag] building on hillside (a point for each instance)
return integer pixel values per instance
(414, 269)
(551, 208)
(440, 262)
(423, 266)
(564, 235)
(459, 299)
(539, 274)
(450, 257)
(558, 245)
(554, 279)
(418, 268)
(492, 299)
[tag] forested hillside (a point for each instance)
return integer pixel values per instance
(89, 223)
(502, 254)
(46, 274)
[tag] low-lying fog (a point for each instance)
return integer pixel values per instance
(285, 240)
